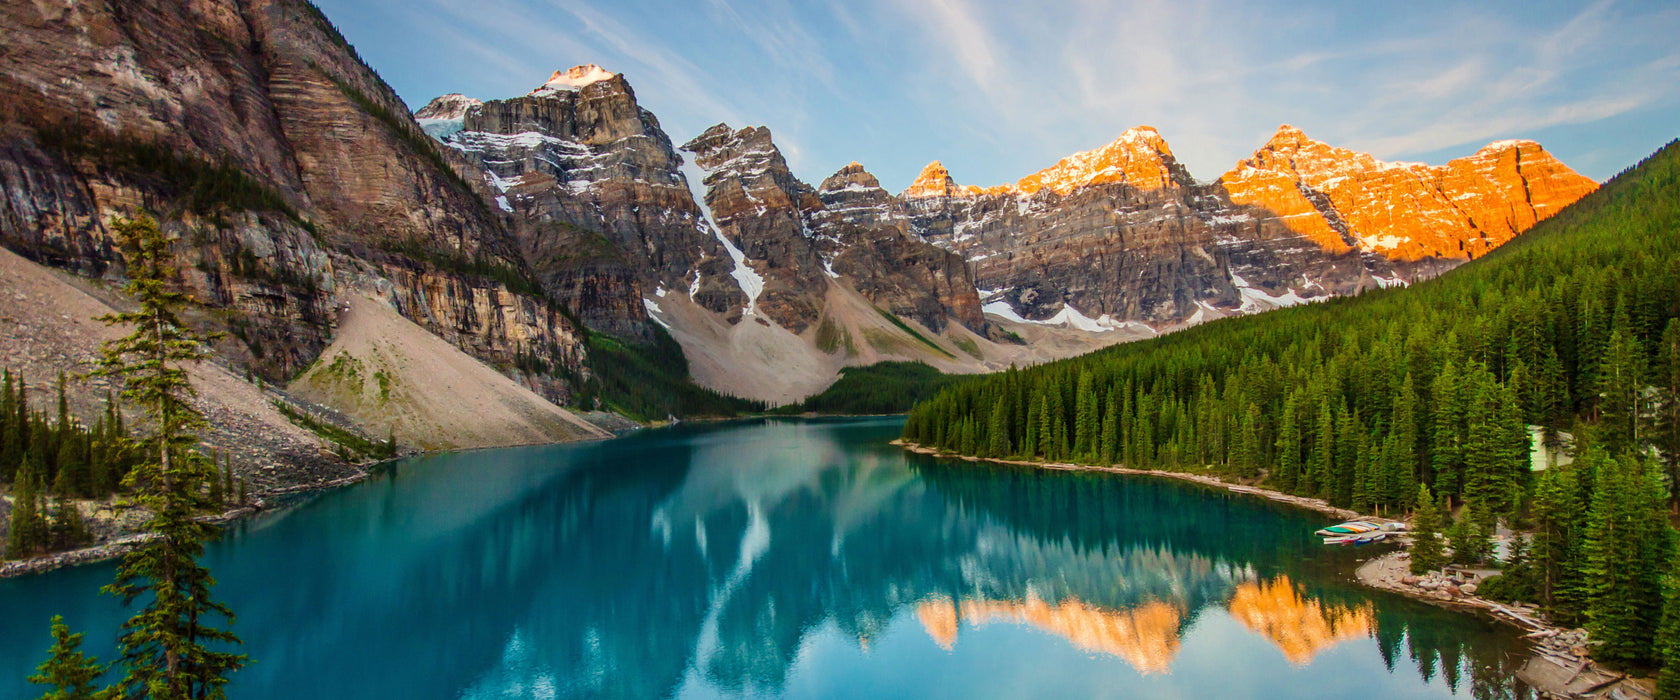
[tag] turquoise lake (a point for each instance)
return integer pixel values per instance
(787, 558)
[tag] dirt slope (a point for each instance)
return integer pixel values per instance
(47, 325)
(390, 375)
(758, 359)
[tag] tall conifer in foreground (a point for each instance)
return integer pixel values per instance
(170, 648)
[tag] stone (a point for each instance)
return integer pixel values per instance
(1468, 589)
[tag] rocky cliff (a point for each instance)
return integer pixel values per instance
(602, 210)
(288, 171)
(850, 230)
(1124, 234)
(1344, 200)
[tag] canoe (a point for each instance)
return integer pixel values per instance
(1352, 527)
(1366, 538)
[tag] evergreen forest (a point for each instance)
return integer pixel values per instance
(59, 458)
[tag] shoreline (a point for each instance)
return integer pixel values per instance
(1315, 504)
(1559, 665)
(124, 543)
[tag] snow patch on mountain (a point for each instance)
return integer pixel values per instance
(653, 312)
(1256, 300)
(750, 282)
(441, 129)
(1068, 317)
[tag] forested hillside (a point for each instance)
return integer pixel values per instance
(1362, 401)
(1376, 402)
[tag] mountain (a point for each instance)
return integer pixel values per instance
(597, 199)
(565, 239)
(289, 173)
(1344, 200)
(768, 285)
(1123, 233)
(1360, 400)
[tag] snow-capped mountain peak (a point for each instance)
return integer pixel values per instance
(573, 79)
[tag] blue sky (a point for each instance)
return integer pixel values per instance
(998, 89)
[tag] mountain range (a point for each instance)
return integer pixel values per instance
(1119, 240)
(535, 232)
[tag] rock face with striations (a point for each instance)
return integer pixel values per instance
(1344, 200)
(1124, 234)
(603, 211)
(865, 232)
(287, 169)
(850, 230)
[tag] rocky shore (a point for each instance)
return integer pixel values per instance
(1561, 667)
(115, 530)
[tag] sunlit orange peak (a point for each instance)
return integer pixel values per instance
(575, 78)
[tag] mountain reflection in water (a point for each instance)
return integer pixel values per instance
(1147, 636)
(801, 559)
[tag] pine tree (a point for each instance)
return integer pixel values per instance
(1619, 388)
(1426, 553)
(1665, 431)
(227, 480)
(1287, 477)
(11, 449)
(1668, 637)
(217, 496)
(1517, 579)
(169, 647)
(1323, 456)
(68, 531)
(68, 673)
(1404, 422)
(1458, 538)
(28, 534)
(1110, 440)
(1560, 523)
(1627, 553)
(1473, 544)
(997, 433)
(1085, 419)
(1447, 432)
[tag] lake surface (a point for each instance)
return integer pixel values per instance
(791, 559)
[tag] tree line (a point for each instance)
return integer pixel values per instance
(59, 459)
(1422, 396)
